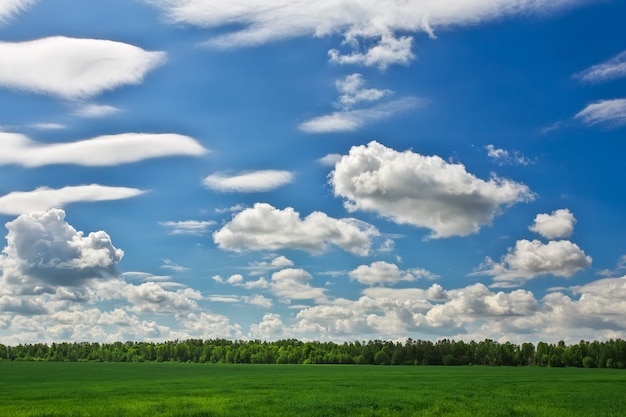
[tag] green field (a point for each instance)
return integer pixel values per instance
(167, 389)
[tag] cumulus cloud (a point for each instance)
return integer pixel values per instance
(188, 227)
(530, 259)
(609, 70)
(504, 157)
(44, 251)
(9, 8)
(557, 225)
(604, 112)
(424, 191)
(258, 300)
(252, 23)
(351, 120)
(380, 273)
(152, 297)
(270, 328)
(256, 181)
(265, 227)
(292, 283)
(75, 68)
(44, 198)
(104, 150)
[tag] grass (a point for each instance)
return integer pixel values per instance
(50, 389)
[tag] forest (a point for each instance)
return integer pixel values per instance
(596, 354)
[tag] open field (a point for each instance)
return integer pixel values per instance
(167, 389)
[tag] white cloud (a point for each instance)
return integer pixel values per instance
(330, 159)
(9, 8)
(258, 300)
(351, 120)
(270, 328)
(43, 251)
(530, 259)
(256, 181)
(152, 297)
(352, 91)
(557, 225)
(275, 263)
(99, 151)
(292, 283)
(608, 112)
(424, 191)
(606, 71)
(253, 23)
(44, 198)
(74, 68)
(264, 227)
(380, 273)
(388, 51)
(503, 157)
(168, 264)
(188, 227)
(96, 110)
(211, 326)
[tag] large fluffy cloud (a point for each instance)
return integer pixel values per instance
(43, 251)
(424, 191)
(530, 259)
(44, 198)
(253, 23)
(293, 283)
(559, 224)
(74, 68)
(265, 227)
(604, 112)
(255, 181)
(99, 151)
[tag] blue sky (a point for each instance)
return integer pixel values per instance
(325, 170)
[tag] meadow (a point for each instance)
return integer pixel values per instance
(55, 389)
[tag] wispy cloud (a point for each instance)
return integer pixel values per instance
(504, 157)
(9, 8)
(100, 151)
(44, 198)
(609, 70)
(351, 120)
(188, 227)
(611, 113)
(74, 68)
(92, 110)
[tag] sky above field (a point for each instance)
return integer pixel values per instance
(320, 170)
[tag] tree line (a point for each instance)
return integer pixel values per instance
(607, 354)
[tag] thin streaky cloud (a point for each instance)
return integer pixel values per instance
(352, 120)
(107, 150)
(45, 198)
(609, 70)
(188, 227)
(611, 113)
(255, 181)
